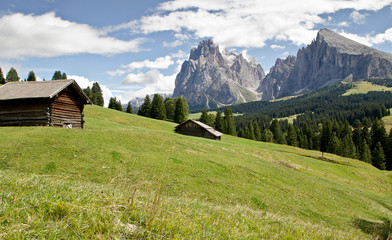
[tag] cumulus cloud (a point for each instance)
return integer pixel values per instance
(274, 46)
(247, 23)
(84, 82)
(357, 17)
(158, 63)
(159, 84)
(369, 40)
(47, 36)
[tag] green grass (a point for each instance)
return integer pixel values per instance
(364, 87)
(125, 176)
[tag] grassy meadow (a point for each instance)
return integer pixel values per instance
(130, 177)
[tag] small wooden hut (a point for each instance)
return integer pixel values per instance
(198, 129)
(56, 103)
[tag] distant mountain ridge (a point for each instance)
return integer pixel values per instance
(212, 78)
(329, 59)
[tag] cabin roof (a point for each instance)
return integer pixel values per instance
(39, 89)
(202, 125)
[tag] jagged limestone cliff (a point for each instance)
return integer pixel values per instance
(212, 78)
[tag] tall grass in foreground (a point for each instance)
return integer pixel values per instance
(52, 207)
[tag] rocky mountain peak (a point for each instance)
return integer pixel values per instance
(329, 59)
(213, 77)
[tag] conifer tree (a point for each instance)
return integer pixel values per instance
(219, 121)
(158, 110)
(257, 131)
(170, 105)
(97, 94)
(365, 154)
(267, 136)
(229, 124)
(12, 76)
(210, 119)
(89, 93)
(64, 76)
(378, 134)
(31, 77)
(2, 79)
(204, 116)
(129, 108)
(145, 108)
(277, 132)
(378, 157)
(250, 133)
(57, 75)
(291, 137)
(181, 110)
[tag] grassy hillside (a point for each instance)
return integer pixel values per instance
(126, 176)
(364, 87)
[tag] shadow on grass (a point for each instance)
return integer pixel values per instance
(377, 229)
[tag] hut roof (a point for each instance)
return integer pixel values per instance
(202, 125)
(39, 89)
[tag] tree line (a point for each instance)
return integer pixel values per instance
(171, 109)
(224, 124)
(12, 76)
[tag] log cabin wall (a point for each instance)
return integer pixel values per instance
(66, 110)
(24, 112)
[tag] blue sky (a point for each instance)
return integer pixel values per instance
(135, 47)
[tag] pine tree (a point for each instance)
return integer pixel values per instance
(256, 130)
(277, 132)
(89, 93)
(170, 105)
(378, 134)
(97, 94)
(204, 116)
(219, 121)
(210, 119)
(267, 136)
(250, 133)
(291, 137)
(129, 108)
(145, 108)
(12, 76)
(64, 76)
(115, 104)
(378, 157)
(2, 79)
(31, 77)
(229, 124)
(365, 154)
(181, 110)
(57, 75)
(158, 110)
(326, 135)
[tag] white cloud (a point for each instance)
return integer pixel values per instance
(357, 17)
(47, 36)
(159, 84)
(158, 63)
(274, 46)
(84, 82)
(149, 77)
(343, 24)
(369, 40)
(247, 23)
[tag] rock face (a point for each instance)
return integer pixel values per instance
(329, 59)
(211, 78)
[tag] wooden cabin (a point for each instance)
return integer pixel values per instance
(198, 129)
(56, 103)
